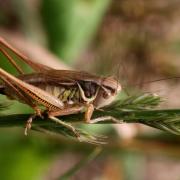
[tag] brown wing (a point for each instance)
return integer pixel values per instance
(50, 73)
(56, 77)
(70, 75)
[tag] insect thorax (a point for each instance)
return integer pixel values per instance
(70, 95)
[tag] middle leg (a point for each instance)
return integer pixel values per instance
(62, 112)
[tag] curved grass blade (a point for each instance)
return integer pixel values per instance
(84, 136)
(133, 109)
(81, 164)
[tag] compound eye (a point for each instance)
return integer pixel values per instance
(106, 94)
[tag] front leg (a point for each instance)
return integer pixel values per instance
(31, 118)
(89, 113)
(62, 112)
(67, 125)
(106, 118)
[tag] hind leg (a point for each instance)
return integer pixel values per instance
(31, 118)
(24, 98)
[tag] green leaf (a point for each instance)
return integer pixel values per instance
(71, 24)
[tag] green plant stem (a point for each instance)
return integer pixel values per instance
(124, 116)
(154, 118)
(133, 109)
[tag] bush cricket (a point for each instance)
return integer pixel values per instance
(59, 92)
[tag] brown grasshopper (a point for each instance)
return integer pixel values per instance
(60, 92)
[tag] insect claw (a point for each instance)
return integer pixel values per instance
(75, 132)
(26, 130)
(28, 125)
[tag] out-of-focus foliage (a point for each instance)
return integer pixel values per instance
(24, 158)
(71, 24)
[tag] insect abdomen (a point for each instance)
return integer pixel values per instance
(68, 95)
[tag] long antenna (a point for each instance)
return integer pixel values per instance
(157, 80)
(11, 60)
(35, 66)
